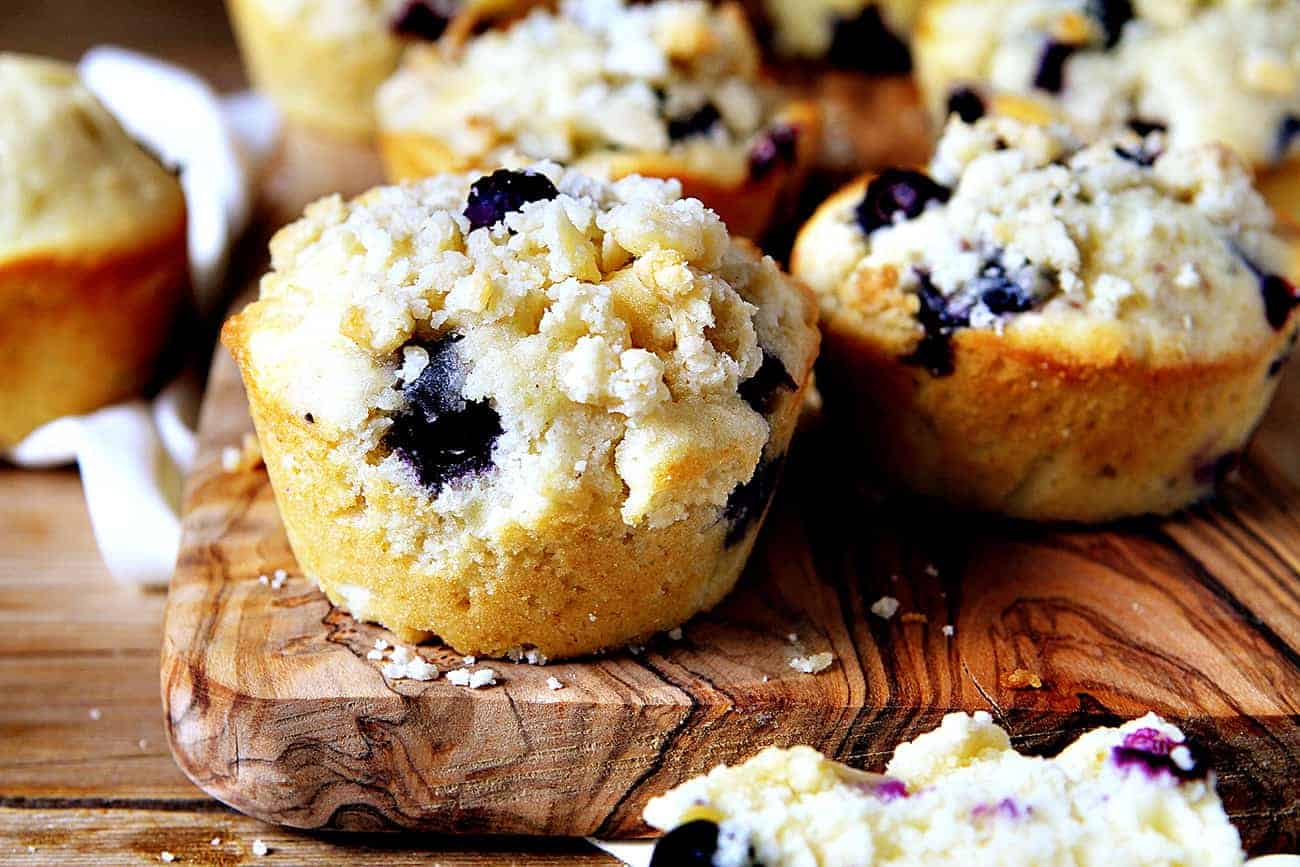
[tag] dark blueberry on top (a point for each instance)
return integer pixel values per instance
(423, 19)
(1279, 295)
(999, 293)
(1144, 128)
(699, 122)
(689, 845)
(1139, 155)
(866, 43)
(1051, 66)
(895, 191)
(440, 434)
(777, 145)
(966, 103)
(749, 500)
(760, 390)
(1112, 15)
(939, 320)
(1288, 132)
(493, 196)
(1151, 752)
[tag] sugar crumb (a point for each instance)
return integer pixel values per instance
(885, 606)
(260, 849)
(166, 857)
(813, 664)
(675, 634)
(96, 713)
(554, 683)
(214, 842)
(949, 630)
(469, 660)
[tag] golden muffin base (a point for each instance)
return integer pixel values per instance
(78, 332)
(748, 206)
(571, 587)
(1026, 431)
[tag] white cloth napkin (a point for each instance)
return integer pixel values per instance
(133, 456)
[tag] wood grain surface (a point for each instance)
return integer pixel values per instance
(273, 708)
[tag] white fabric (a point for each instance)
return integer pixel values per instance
(134, 455)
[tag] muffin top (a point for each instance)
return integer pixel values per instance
(600, 75)
(851, 34)
(1121, 249)
(1204, 71)
(1137, 794)
(527, 344)
(71, 179)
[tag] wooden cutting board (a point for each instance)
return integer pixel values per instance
(272, 706)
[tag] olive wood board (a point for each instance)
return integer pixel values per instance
(272, 706)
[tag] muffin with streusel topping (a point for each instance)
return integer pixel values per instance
(93, 264)
(1053, 331)
(1140, 795)
(665, 89)
(852, 58)
(527, 410)
(1200, 71)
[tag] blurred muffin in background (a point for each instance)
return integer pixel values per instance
(667, 89)
(1050, 330)
(853, 58)
(93, 267)
(1198, 71)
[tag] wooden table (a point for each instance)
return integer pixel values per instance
(85, 774)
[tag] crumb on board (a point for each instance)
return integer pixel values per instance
(95, 713)
(885, 607)
(260, 849)
(166, 857)
(949, 630)
(554, 683)
(214, 842)
(675, 634)
(914, 617)
(1021, 678)
(813, 664)
(472, 679)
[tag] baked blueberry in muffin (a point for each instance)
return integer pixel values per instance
(525, 410)
(664, 89)
(1136, 795)
(1050, 330)
(1201, 71)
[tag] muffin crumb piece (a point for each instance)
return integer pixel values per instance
(885, 607)
(817, 662)
(260, 849)
(554, 683)
(166, 857)
(949, 630)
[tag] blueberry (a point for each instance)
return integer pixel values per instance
(1216, 472)
(777, 145)
(1051, 66)
(689, 845)
(939, 320)
(866, 43)
(1279, 296)
(1287, 134)
(1151, 752)
(1112, 15)
(760, 390)
(440, 434)
(1139, 156)
(999, 293)
(896, 191)
(1144, 128)
(749, 500)
(966, 103)
(493, 196)
(699, 122)
(422, 19)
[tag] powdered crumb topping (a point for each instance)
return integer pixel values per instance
(1033, 234)
(597, 75)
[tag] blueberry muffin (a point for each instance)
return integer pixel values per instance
(1201, 71)
(1135, 795)
(1048, 330)
(320, 61)
(666, 89)
(528, 410)
(93, 268)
